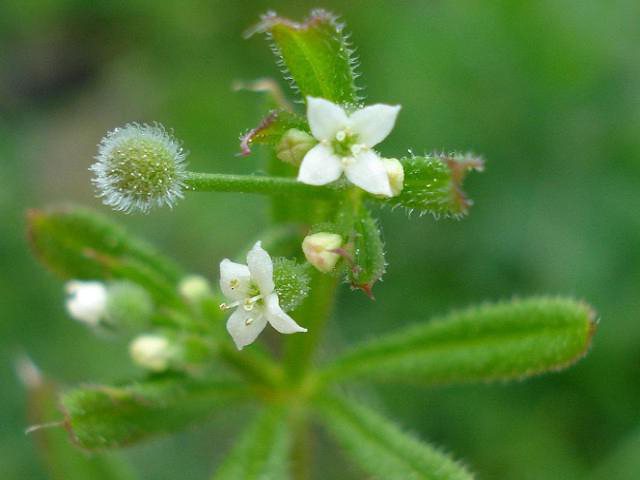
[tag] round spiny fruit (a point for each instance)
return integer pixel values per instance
(139, 166)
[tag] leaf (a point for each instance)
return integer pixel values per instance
(381, 449)
(263, 451)
(314, 55)
(492, 342)
(77, 243)
(100, 417)
(271, 129)
(367, 262)
(433, 184)
(62, 459)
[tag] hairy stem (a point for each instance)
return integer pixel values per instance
(219, 182)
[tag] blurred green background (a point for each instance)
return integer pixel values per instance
(548, 91)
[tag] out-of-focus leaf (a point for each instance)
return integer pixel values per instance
(492, 342)
(99, 417)
(263, 451)
(314, 55)
(381, 449)
(77, 243)
(62, 459)
(433, 184)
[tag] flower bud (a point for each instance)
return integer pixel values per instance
(294, 145)
(395, 172)
(194, 288)
(319, 249)
(291, 282)
(139, 166)
(86, 301)
(129, 306)
(152, 352)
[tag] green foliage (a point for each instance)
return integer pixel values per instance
(314, 55)
(433, 184)
(76, 243)
(492, 342)
(381, 449)
(263, 451)
(100, 417)
(271, 129)
(368, 263)
(292, 282)
(129, 306)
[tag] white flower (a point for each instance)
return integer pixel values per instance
(252, 291)
(152, 352)
(346, 143)
(86, 301)
(319, 250)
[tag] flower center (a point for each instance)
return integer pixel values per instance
(344, 142)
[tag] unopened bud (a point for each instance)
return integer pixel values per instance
(139, 166)
(194, 288)
(294, 145)
(86, 301)
(319, 250)
(152, 352)
(129, 306)
(395, 172)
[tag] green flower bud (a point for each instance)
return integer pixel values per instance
(153, 352)
(129, 306)
(294, 145)
(319, 250)
(292, 282)
(139, 166)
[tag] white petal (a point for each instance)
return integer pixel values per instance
(244, 327)
(325, 118)
(320, 166)
(87, 301)
(278, 319)
(374, 123)
(369, 173)
(261, 268)
(234, 280)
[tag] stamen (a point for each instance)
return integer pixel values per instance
(227, 306)
(249, 303)
(248, 321)
(341, 135)
(234, 283)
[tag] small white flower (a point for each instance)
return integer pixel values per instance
(319, 250)
(86, 301)
(346, 143)
(252, 292)
(152, 352)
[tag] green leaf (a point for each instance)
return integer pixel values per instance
(99, 417)
(271, 129)
(433, 184)
(367, 251)
(314, 55)
(381, 449)
(77, 243)
(492, 342)
(62, 459)
(263, 451)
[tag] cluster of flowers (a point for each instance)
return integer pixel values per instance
(140, 166)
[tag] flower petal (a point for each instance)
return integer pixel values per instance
(325, 118)
(368, 172)
(244, 327)
(374, 123)
(278, 319)
(261, 268)
(319, 166)
(234, 279)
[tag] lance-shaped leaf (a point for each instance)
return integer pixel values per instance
(99, 417)
(76, 243)
(263, 451)
(271, 130)
(314, 55)
(62, 459)
(492, 342)
(433, 184)
(367, 253)
(381, 449)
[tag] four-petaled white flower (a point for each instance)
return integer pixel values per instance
(252, 291)
(346, 143)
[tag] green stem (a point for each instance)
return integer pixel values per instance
(219, 182)
(301, 451)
